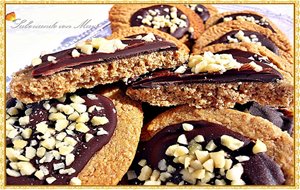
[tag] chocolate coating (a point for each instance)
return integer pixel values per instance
(256, 17)
(278, 117)
(169, 77)
(204, 14)
(65, 61)
(83, 150)
(179, 32)
(259, 170)
(261, 38)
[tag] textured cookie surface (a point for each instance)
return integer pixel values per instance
(279, 144)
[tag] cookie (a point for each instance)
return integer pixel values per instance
(241, 31)
(218, 80)
(77, 139)
(245, 16)
(250, 47)
(281, 117)
(96, 61)
(204, 11)
(190, 146)
(177, 20)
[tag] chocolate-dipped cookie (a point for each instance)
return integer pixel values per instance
(176, 20)
(97, 61)
(204, 11)
(280, 117)
(218, 78)
(278, 61)
(241, 31)
(244, 16)
(189, 146)
(77, 139)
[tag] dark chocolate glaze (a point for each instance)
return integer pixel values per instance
(83, 151)
(256, 17)
(277, 116)
(259, 170)
(169, 77)
(261, 38)
(65, 61)
(179, 32)
(204, 15)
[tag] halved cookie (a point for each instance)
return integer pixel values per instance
(204, 11)
(230, 75)
(185, 145)
(77, 139)
(177, 20)
(97, 61)
(240, 31)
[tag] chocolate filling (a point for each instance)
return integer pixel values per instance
(65, 61)
(179, 32)
(169, 77)
(261, 38)
(278, 117)
(256, 17)
(259, 170)
(83, 150)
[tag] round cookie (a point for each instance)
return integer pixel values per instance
(124, 16)
(244, 46)
(279, 144)
(204, 11)
(254, 17)
(228, 32)
(105, 166)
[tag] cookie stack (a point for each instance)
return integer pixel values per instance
(177, 95)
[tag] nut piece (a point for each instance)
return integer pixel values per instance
(231, 143)
(75, 53)
(50, 180)
(182, 139)
(145, 173)
(26, 168)
(187, 126)
(218, 158)
(98, 120)
(235, 172)
(259, 147)
(75, 181)
(81, 127)
(36, 61)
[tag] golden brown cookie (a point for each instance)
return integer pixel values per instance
(246, 16)
(279, 145)
(241, 31)
(204, 11)
(221, 76)
(97, 61)
(250, 47)
(85, 147)
(177, 20)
